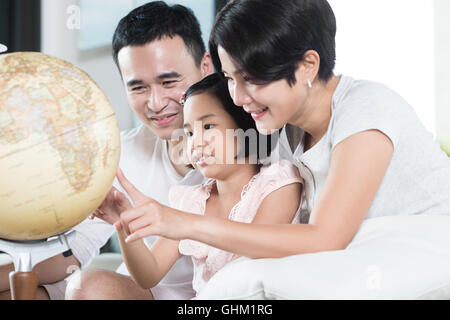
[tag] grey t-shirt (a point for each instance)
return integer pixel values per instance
(417, 180)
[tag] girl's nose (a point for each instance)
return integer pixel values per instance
(198, 138)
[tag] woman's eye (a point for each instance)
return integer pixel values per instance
(208, 126)
(247, 78)
(228, 79)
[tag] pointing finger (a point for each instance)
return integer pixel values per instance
(135, 195)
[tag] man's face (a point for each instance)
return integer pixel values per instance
(155, 76)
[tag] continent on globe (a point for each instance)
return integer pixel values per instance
(59, 146)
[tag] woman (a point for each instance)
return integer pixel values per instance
(363, 154)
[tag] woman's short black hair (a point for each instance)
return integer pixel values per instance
(155, 20)
(217, 86)
(267, 39)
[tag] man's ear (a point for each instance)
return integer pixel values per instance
(206, 65)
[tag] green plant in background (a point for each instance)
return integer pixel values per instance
(445, 146)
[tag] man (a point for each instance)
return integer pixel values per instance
(160, 53)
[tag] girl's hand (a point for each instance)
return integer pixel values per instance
(113, 205)
(149, 217)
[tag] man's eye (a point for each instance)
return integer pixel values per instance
(169, 83)
(140, 88)
(208, 126)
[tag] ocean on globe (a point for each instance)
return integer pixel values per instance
(59, 146)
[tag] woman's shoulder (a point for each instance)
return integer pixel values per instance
(360, 105)
(365, 95)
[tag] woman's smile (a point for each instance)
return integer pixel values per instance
(257, 113)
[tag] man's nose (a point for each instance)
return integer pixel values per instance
(157, 100)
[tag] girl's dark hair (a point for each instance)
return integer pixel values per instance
(155, 20)
(267, 39)
(216, 86)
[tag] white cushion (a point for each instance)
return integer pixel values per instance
(397, 257)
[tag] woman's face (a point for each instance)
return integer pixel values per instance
(211, 144)
(271, 105)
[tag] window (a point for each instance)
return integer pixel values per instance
(390, 42)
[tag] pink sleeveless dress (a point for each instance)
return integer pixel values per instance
(208, 260)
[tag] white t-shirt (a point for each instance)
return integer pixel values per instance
(417, 180)
(145, 162)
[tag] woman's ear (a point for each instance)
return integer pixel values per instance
(308, 68)
(206, 65)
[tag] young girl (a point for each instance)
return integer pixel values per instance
(211, 219)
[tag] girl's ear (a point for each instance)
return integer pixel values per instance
(308, 68)
(206, 65)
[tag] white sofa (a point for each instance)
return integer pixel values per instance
(400, 257)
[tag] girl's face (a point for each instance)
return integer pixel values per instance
(271, 105)
(212, 146)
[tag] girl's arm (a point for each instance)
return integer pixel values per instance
(358, 165)
(148, 266)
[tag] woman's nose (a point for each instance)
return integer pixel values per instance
(240, 95)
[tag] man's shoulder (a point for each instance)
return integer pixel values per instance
(139, 136)
(139, 132)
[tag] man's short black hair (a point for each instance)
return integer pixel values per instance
(155, 20)
(267, 39)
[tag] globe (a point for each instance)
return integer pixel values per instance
(59, 146)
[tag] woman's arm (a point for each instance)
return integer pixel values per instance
(358, 165)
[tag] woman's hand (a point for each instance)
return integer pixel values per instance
(113, 205)
(149, 217)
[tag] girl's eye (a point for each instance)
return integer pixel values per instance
(188, 133)
(208, 126)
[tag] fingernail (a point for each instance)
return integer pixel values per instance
(128, 239)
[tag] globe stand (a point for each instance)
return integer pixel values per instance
(26, 254)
